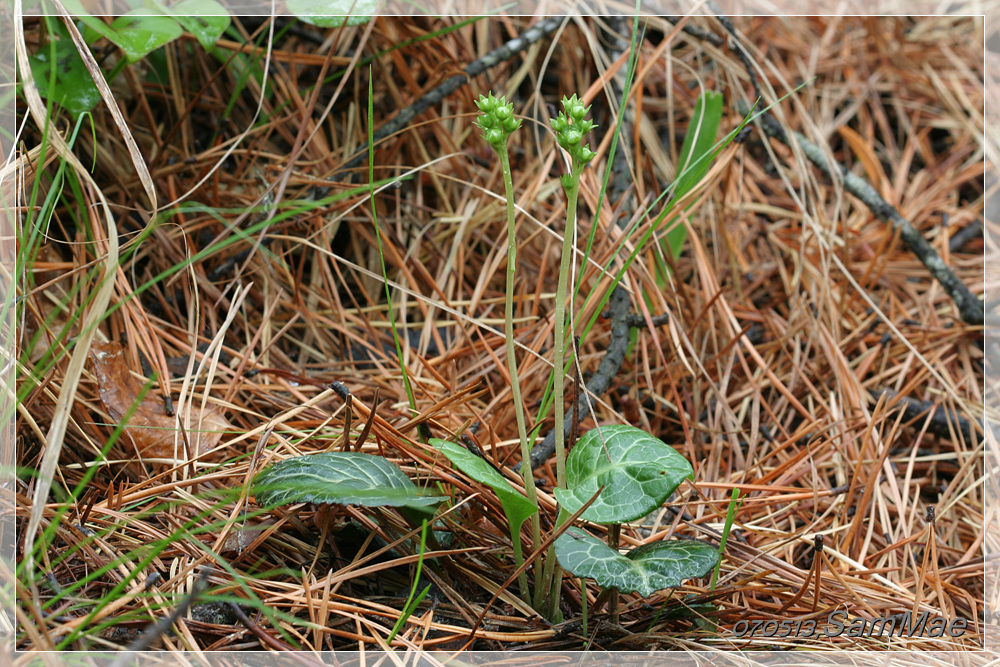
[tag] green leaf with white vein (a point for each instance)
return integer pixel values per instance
(645, 569)
(638, 472)
(341, 478)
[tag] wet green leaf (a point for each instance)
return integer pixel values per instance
(138, 32)
(341, 478)
(697, 153)
(515, 505)
(646, 569)
(331, 13)
(75, 90)
(638, 472)
(205, 19)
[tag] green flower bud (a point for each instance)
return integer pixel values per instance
(486, 104)
(571, 139)
(497, 119)
(570, 127)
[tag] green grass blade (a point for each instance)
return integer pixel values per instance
(413, 600)
(641, 244)
(699, 143)
(730, 515)
(378, 238)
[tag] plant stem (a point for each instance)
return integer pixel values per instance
(570, 127)
(559, 349)
(560, 329)
(515, 386)
(614, 538)
(522, 580)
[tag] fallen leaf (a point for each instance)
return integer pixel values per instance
(241, 538)
(149, 427)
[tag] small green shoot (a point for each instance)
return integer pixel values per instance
(497, 122)
(734, 504)
(641, 243)
(414, 600)
(697, 152)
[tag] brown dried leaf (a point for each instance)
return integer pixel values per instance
(241, 538)
(149, 427)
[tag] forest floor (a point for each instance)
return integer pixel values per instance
(797, 346)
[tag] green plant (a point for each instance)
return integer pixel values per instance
(515, 506)
(570, 127)
(497, 122)
(63, 76)
(700, 162)
(381, 254)
(351, 478)
(150, 25)
(635, 473)
(341, 478)
(333, 13)
(414, 599)
(695, 159)
(645, 569)
(734, 503)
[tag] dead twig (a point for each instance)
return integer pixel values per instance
(969, 307)
(436, 95)
(941, 421)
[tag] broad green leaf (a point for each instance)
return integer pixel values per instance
(75, 89)
(93, 27)
(331, 13)
(697, 152)
(342, 478)
(205, 19)
(515, 506)
(645, 569)
(138, 32)
(638, 472)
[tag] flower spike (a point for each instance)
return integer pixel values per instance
(496, 120)
(570, 126)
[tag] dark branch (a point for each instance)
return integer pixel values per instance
(972, 231)
(969, 307)
(942, 422)
(435, 96)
